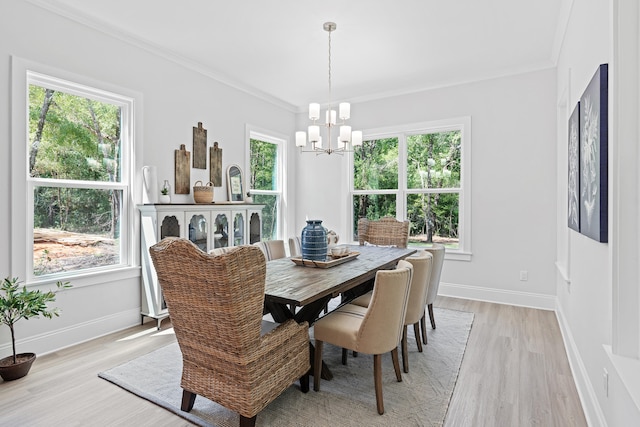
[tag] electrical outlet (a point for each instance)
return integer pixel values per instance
(605, 382)
(524, 275)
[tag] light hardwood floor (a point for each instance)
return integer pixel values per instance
(514, 373)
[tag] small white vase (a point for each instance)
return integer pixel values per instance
(165, 198)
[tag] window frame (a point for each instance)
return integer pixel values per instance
(24, 74)
(401, 132)
(280, 141)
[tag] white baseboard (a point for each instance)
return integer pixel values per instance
(500, 296)
(51, 341)
(592, 411)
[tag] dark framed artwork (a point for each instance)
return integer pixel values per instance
(593, 156)
(573, 195)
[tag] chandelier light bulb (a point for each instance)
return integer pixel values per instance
(345, 110)
(356, 138)
(314, 111)
(301, 139)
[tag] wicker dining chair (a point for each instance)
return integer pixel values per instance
(230, 356)
(386, 231)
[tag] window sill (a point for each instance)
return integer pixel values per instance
(91, 278)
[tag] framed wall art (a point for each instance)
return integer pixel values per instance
(593, 157)
(573, 191)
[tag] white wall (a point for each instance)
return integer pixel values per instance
(513, 179)
(174, 100)
(584, 279)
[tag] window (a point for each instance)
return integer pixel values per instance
(265, 180)
(418, 172)
(78, 177)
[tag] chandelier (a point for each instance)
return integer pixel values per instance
(344, 137)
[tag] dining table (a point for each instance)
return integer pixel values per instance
(293, 282)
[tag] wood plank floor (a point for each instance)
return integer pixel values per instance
(514, 373)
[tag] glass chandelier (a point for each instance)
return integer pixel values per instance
(345, 135)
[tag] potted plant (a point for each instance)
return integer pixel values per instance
(164, 193)
(16, 304)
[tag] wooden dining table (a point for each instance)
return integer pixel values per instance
(311, 287)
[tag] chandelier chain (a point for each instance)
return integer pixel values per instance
(329, 68)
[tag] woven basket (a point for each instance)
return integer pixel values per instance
(203, 193)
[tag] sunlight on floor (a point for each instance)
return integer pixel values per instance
(153, 331)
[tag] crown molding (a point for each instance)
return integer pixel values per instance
(129, 38)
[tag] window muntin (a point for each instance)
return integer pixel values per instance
(77, 177)
(432, 188)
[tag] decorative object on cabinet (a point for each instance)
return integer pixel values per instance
(574, 170)
(199, 147)
(203, 193)
(183, 170)
(164, 192)
(314, 241)
(149, 184)
(593, 156)
(234, 183)
(215, 165)
(206, 225)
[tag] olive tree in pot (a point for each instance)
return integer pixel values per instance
(16, 304)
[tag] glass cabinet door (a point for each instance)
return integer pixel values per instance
(221, 231)
(198, 230)
(169, 227)
(238, 229)
(255, 227)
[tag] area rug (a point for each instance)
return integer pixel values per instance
(421, 399)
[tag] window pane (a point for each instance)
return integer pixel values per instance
(75, 229)
(372, 206)
(434, 219)
(71, 137)
(263, 174)
(433, 160)
(269, 215)
(375, 165)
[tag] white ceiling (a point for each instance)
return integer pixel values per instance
(279, 50)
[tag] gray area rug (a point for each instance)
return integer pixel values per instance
(421, 399)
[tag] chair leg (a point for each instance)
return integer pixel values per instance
(344, 356)
(188, 399)
(304, 383)
(433, 321)
(248, 422)
(405, 356)
(416, 332)
(355, 354)
(377, 379)
(396, 364)
(423, 326)
(317, 365)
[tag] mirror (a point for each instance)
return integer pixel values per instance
(234, 183)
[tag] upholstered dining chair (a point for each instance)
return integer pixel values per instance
(438, 251)
(422, 267)
(229, 355)
(373, 330)
(295, 248)
(386, 231)
(272, 249)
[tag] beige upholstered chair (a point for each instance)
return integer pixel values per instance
(229, 355)
(272, 249)
(384, 232)
(373, 330)
(438, 251)
(295, 249)
(421, 262)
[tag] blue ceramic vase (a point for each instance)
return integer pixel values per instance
(314, 241)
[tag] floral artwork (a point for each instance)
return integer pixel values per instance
(593, 157)
(574, 170)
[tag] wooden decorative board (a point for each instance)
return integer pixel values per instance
(183, 171)
(215, 164)
(199, 147)
(330, 262)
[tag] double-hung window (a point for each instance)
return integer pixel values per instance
(78, 177)
(418, 172)
(265, 180)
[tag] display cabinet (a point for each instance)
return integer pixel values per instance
(208, 226)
